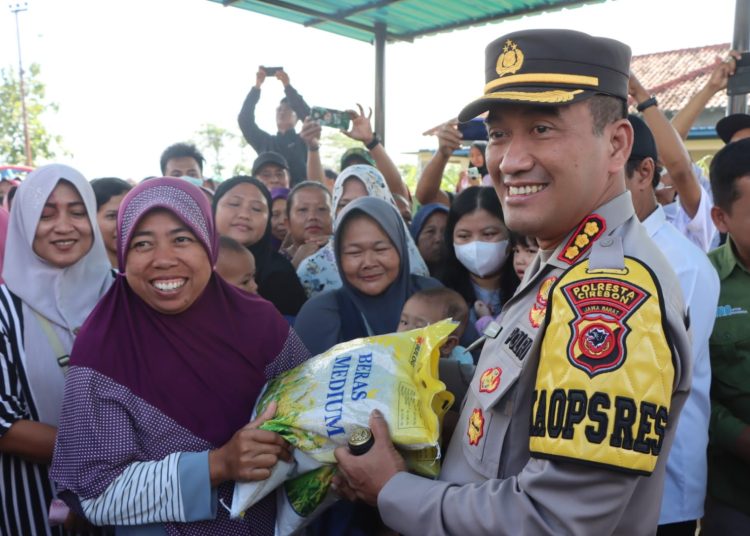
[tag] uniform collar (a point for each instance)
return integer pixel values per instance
(726, 260)
(612, 215)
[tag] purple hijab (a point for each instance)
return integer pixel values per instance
(143, 385)
(203, 367)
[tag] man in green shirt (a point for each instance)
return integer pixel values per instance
(728, 504)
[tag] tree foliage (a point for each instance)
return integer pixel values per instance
(333, 145)
(44, 145)
(214, 138)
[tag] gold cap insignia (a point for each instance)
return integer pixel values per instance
(511, 60)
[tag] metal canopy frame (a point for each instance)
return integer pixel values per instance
(383, 21)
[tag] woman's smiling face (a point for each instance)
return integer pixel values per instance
(369, 260)
(64, 233)
(166, 265)
(242, 214)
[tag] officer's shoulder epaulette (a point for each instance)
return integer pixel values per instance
(604, 382)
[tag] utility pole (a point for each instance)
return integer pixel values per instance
(16, 8)
(737, 104)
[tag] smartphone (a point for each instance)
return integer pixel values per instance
(473, 130)
(330, 118)
(473, 173)
(271, 71)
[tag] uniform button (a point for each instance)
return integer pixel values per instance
(607, 242)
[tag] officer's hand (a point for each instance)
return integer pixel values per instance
(367, 474)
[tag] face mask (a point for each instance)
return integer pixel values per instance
(482, 258)
(194, 180)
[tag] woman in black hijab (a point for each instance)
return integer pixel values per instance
(242, 210)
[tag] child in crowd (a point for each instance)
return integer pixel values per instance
(524, 250)
(432, 305)
(236, 265)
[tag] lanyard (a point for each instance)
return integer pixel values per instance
(63, 358)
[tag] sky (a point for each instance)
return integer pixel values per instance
(132, 77)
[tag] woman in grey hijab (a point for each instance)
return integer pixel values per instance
(56, 269)
(370, 249)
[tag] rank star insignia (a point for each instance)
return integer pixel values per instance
(490, 379)
(511, 60)
(476, 427)
(582, 239)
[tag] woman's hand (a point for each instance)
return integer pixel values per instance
(250, 454)
(310, 246)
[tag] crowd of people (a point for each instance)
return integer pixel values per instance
(598, 278)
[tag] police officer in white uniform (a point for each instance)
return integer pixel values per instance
(572, 410)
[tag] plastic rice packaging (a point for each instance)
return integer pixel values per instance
(320, 403)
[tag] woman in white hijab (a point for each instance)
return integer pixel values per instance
(55, 271)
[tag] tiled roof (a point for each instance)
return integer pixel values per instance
(675, 76)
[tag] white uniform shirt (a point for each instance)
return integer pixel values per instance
(699, 229)
(685, 483)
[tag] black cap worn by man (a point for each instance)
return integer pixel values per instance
(733, 127)
(551, 67)
(548, 438)
(269, 157)
(644, 145)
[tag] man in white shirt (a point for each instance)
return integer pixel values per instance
(685, 484)
(686, 202)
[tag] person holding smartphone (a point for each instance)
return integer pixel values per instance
(286, 141)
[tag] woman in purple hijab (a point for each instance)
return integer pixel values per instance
(163, 378)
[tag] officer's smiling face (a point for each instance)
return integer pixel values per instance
(549, 168)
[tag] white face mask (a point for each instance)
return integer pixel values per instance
(482, 258)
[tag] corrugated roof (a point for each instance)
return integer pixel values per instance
(675, 76)
(404, 19)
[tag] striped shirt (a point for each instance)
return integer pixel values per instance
(25, 488)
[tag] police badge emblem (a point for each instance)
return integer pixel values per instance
(475, 430)
(490, 380)
(539, 309)
(598, 331)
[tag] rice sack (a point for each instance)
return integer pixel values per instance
(320, 403)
